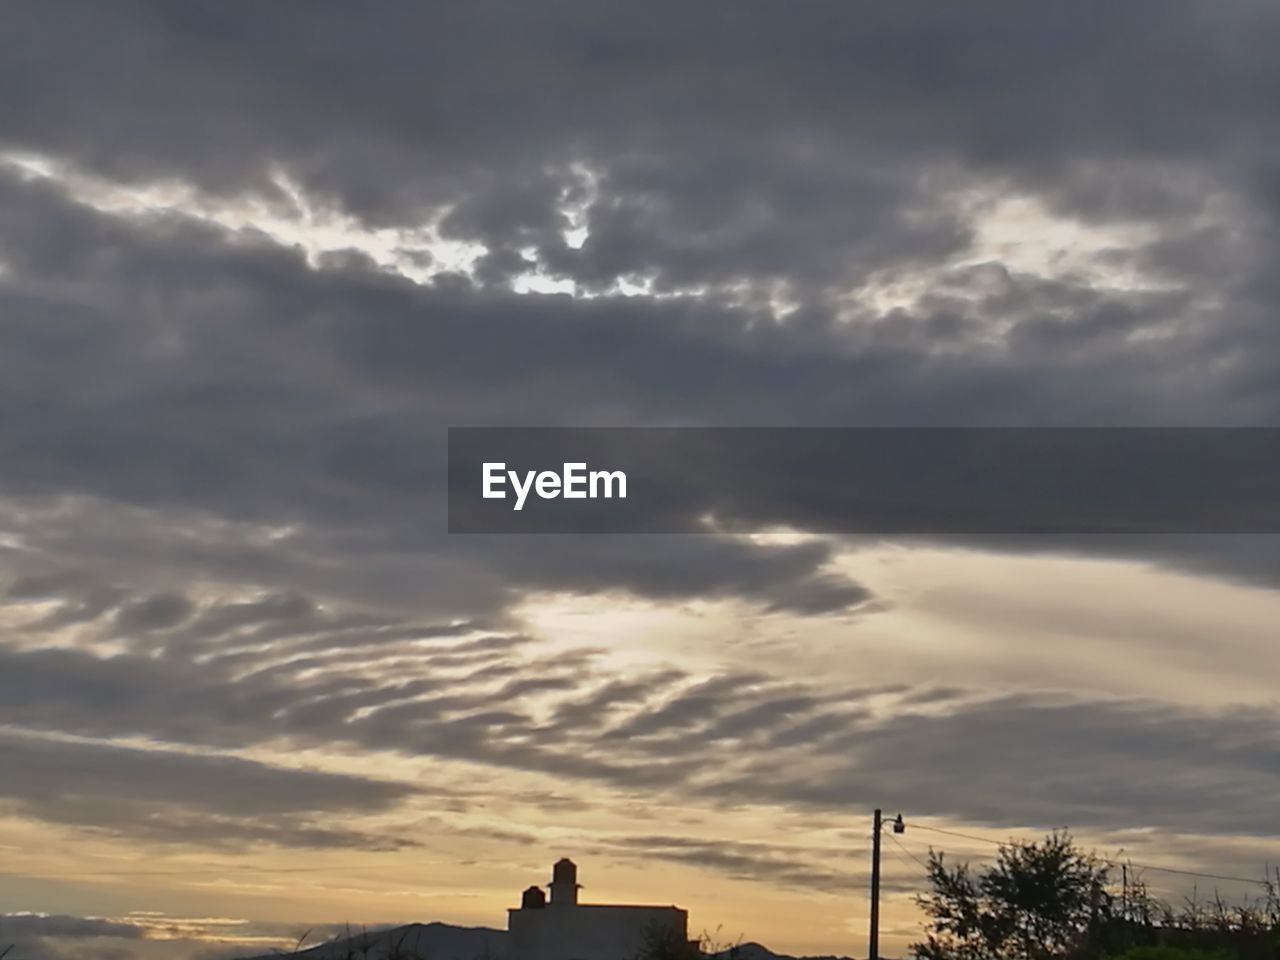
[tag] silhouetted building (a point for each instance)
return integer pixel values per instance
(564, 929)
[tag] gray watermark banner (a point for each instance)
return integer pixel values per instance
(864, 480)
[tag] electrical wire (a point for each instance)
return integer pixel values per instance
(899, 844)
(908, 865)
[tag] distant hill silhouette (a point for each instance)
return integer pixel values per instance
(437, 941)
(756, 951)
(442, 941)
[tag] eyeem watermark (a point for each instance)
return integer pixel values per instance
(573, 482)
(879, 481)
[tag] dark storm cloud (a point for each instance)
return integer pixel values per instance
(747, 145)
(421, 105)
(214, 422)
(220, 427)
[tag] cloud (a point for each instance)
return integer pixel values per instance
(43, 925)
(142, 935)
(253, 266)
(791, 103)
(1092, 764)
(203, 800)
(53, 936)
(764, 862)
(501, 702)
(372, 481)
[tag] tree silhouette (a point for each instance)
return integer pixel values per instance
(1040, 900)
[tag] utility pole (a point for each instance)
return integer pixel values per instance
(873, 947)
(877, 821)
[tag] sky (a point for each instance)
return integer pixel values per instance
(255, 259)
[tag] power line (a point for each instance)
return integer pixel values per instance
(1109, 862)
(1187, 873)
(954, 833)
(903, 848)
(907, 865)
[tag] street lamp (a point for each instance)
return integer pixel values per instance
(878, 821)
